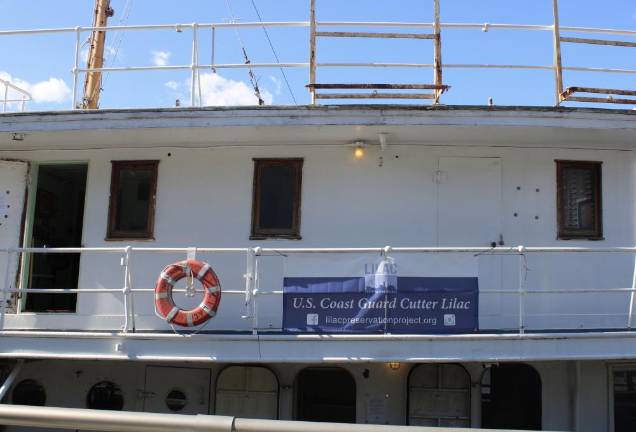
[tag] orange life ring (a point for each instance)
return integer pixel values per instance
(164, 303)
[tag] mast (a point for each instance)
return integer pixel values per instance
(93, 81)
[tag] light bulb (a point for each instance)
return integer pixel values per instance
(358, 152)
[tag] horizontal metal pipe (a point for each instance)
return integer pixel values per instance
(187, 26)
(497, 250)
(257, 425)
(101, 420)
(16, 88)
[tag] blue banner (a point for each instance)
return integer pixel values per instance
(380, 303)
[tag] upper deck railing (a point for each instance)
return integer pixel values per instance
(12, 95)
(431, 31)
(613, 301)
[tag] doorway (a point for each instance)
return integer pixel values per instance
(511, 397)
(325, 395)
(57, 221)
(469, 194)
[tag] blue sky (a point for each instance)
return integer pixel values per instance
(43, 63)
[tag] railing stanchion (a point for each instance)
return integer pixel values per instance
(255, 287)
(632, 299)
(558, 66)
(213, 49)
(522, 293)
(312, 50)
(249, 281)
(6, 97)
(129, 308)
(76, 67)
(194, 65)
(5, 290)
(437, 52)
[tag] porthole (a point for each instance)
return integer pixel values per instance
(176, 400)
(29, 392)
(105, 395)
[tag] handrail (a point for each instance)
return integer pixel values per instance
(251, 290)
(313, 65)
(126, 421)
(26, 96)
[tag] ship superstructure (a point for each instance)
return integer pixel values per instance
(466, 266)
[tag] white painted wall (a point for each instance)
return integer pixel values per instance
(204, 199)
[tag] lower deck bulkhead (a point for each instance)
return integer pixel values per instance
(582, 396)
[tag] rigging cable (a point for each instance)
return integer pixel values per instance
(253, 80)
(271, 45)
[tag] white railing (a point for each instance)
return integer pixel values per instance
(561, 93)
(9, 96)
(252, 273)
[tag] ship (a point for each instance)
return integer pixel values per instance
(392, 264)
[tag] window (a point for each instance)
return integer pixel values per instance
(439, 395)
(579, 200)
(132, 200)
(276, 199)
(624, 400)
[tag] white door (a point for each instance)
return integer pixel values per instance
(13, 181)
(469, 214)
(177, 390)
(247, 392)
(469, 191)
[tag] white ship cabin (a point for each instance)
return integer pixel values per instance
(394, 264)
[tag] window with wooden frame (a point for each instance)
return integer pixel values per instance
(276, 198)
(131, 212)
(579, 206)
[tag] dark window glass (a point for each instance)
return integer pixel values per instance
(276, 206)
(29, 392)
(625, 401)
(132, 200)
(105, 395)
(579, 199)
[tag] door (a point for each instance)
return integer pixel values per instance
(13, 181)
(247, 392)
(511, 397)
(177, 390)
(325, 394)
(469, 194)
(469, 214)
(57, 221)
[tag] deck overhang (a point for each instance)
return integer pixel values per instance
(267, 348)
(318, 125)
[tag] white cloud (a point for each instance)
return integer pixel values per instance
(52, 90)
(219, 91)
(160, 58)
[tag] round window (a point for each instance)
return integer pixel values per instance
(105, 395)
(29, 392)
(176, 400)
